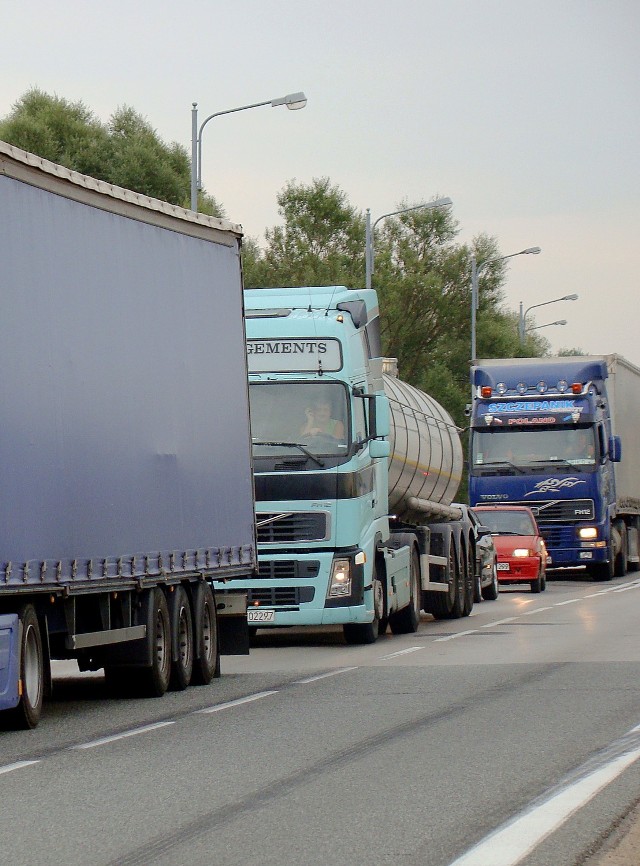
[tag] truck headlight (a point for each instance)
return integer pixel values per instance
(588, 532)
(340, 583)
(522, 551)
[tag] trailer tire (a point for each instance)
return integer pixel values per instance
(469, 576)
(206, 664)
(407, 620)
(441, 604)
(32, 673)
(182, 648)
(153, 681)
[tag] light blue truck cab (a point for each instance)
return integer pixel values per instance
(330, 552)
(543, 434)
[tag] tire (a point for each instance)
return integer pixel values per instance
(441, 604)
(206, 664)
(469, 577)
(621, 563)
(32, 673)
(603, 570)
(367, 632)
(536, 585)
(407, 620)
(457, 610)
(490, 593)
(182, 648)
(543, 581)
(153, 681)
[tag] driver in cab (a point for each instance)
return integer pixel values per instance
(319, 421)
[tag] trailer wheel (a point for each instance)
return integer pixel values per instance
(460, 583)
(407, 620)
(153, 681)
(469, 578)
(441, 604)
(182, 648)
(206, 664)
(27, 714)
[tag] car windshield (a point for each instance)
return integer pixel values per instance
(299, 417)
(508, 522)
(573, 447)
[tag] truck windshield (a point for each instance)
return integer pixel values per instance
(286, 415)
(574, 447)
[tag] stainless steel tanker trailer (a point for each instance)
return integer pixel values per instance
(355, 474)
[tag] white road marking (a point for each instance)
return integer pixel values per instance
(132, 733)
(324, 676)
(514, 840)
(8, 768)
(499, 622)
(219, 707)
(404, 652)
(537, 610)
(569, 601)
(457, 634)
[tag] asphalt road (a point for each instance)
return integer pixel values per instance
(507, 737)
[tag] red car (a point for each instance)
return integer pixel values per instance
(522, 555)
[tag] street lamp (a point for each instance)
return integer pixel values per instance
(548, 325)
(293, 101)
(523, 316)
(476, 270)
(368, 244)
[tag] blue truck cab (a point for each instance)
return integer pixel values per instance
(543, 435)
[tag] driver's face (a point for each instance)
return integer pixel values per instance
(322, 411)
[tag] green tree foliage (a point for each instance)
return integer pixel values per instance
(126, 151)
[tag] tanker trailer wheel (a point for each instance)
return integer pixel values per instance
(407, 620)
(441, 604)
(182, 648)
(471, 581)
(461, 584)
(27, 713)
(153, 681)
(367, 632)
(206, 664)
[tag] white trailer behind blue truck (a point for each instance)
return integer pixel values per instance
(354, 506)
(125, 456)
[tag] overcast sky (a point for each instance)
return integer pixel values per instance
(526, 114)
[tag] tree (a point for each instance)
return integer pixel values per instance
(126, 152)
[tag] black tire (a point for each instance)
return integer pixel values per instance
(153, 681)
(536, 585)
(543, 581)
(441, 604)
(32, 673)
(182, 647)
(621, 563)
(367, 632)
(206, 664)
(407, 620)
(468, 572)
(490, 593)
(457, 610)
(603, 570)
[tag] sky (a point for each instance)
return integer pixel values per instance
(525, 114)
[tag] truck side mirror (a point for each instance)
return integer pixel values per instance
(615, 449)
(380, 423)
(379, 448)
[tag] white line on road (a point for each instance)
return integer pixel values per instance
(8, 768)
(132, 733)
(569, 601)
(499, 622)
(511, 843)
(218, 707)
(404, 652)
(457, 634)
(537, 610)
(324, 676)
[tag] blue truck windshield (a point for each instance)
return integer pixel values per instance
(525, 447)
(285, 415)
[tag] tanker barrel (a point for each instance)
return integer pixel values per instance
(426, 453)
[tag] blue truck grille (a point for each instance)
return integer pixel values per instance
(280, 596)
(287, 569)
(281, 527)
(561, 509)
(558, 536)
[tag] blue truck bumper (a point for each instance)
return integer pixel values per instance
(9, 661)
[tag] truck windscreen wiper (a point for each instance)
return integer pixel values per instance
(302, 448)
(501, 463)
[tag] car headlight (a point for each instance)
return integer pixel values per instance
(522, 551)
(340, 583)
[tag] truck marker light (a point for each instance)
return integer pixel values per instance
(576, 388)
(501, 388)
(541, 387)
(562, 386)
(521, 388)
(485, 391)
(20, 687)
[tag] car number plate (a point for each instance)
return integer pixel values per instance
(503, 566)
(260, 615)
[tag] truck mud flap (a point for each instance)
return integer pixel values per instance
(9, 660)
(233, 630)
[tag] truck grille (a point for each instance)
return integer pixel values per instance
(561, 510)
(558, 536)
(284, 527)
(281, 596)
(288, 569)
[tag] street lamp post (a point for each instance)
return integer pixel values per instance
(476, 270)
(547, 325)
(523, 316)
(293, 101)
(368, 251)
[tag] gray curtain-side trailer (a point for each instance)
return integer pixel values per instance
(126, 491)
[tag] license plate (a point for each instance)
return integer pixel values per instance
(255, 616)
(503, 566)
